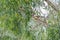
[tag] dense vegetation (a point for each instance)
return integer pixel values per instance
(15, 16)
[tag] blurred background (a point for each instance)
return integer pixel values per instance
(29, 19)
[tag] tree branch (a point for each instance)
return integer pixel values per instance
(54, 6)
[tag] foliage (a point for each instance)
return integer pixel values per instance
(15, 16)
